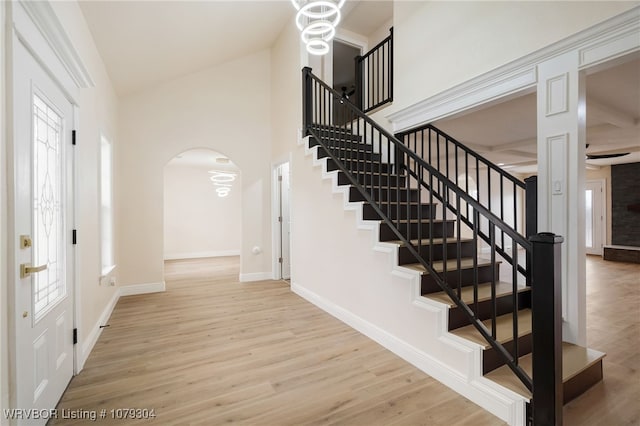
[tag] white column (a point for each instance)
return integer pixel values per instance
(561, 164)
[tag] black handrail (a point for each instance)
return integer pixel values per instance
(376, 181)
(510, 187)
(374, 75)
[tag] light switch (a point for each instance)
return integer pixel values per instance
(557, 187)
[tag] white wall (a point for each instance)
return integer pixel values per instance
(226, 109)
(604, 173)
(97, 115)
(286, 92)
(441, 44)
(197, 222)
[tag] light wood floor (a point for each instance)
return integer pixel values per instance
(211, 350)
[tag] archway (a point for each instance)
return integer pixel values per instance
(202, 206)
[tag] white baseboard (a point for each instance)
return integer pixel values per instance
(485, 396)
(131, 290)
(201, 254)
(255, 276)
(90, 342)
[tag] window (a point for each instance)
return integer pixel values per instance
(106, 206)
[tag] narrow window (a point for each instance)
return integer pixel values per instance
(106, 206)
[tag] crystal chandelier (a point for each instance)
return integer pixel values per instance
(317, 20)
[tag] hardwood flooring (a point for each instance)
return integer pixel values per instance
(210, 351)
(613, 326)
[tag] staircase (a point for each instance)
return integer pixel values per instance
(439, 235)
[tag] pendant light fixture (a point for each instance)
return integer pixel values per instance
(317, 21)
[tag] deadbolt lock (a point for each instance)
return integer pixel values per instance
(25, 242)
(25, 314)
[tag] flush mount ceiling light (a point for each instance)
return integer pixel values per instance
(317, 20)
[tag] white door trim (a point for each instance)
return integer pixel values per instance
(39, 30)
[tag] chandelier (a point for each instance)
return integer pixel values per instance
(317, 20)
(223, 181)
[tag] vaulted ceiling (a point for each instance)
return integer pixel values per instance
(145, 43)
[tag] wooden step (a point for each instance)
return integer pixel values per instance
(384, 195)
(410, 228)
(404, 210)
(504, 335)
(350, 154)
(464, 275)
(373, 179)
(361, 166)
(581, 369)
(434, 248)
(342, 144)
(504, 301)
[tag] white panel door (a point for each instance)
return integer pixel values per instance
(594, 217)
(285, 222)
(43, 172)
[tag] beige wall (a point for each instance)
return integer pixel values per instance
(197, 222)
(97, 115)
(225, 109)
(286, 92)
(440, 44)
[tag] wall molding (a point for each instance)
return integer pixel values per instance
(134, 289)
(96, 331)
(201, 254)
(255, 276)
(603, 42)
(482, 392)
(45, 19)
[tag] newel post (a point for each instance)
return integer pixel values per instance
(546, 307)
(307, 100)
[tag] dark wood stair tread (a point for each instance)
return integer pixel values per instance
(484, 293)
(504, 328)
(575, 360)
(452, 265)
(436, 241)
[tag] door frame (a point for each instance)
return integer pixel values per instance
(349, 38)
(36, 26)
(276, 235)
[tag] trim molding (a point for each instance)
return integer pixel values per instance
(600, 43)
(44, 17)
(201, 254)
(134, 289)
(96, 331)
(255, 276)
(477, 391)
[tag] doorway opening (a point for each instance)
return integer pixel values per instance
(202, 206)
(344, 73)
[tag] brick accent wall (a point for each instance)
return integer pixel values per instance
(625, 191)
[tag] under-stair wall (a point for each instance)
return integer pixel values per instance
(339, 265)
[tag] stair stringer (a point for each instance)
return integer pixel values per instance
(454, 361)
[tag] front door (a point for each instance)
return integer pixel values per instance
(42, 195)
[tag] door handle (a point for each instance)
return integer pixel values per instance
(26, 269)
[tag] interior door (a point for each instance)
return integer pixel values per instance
(285, 221)
(43, 190)
(594, 217)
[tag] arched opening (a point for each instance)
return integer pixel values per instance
(202, 206)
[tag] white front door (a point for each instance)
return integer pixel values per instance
(285, 221)
(42, 195)
(594, 216)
